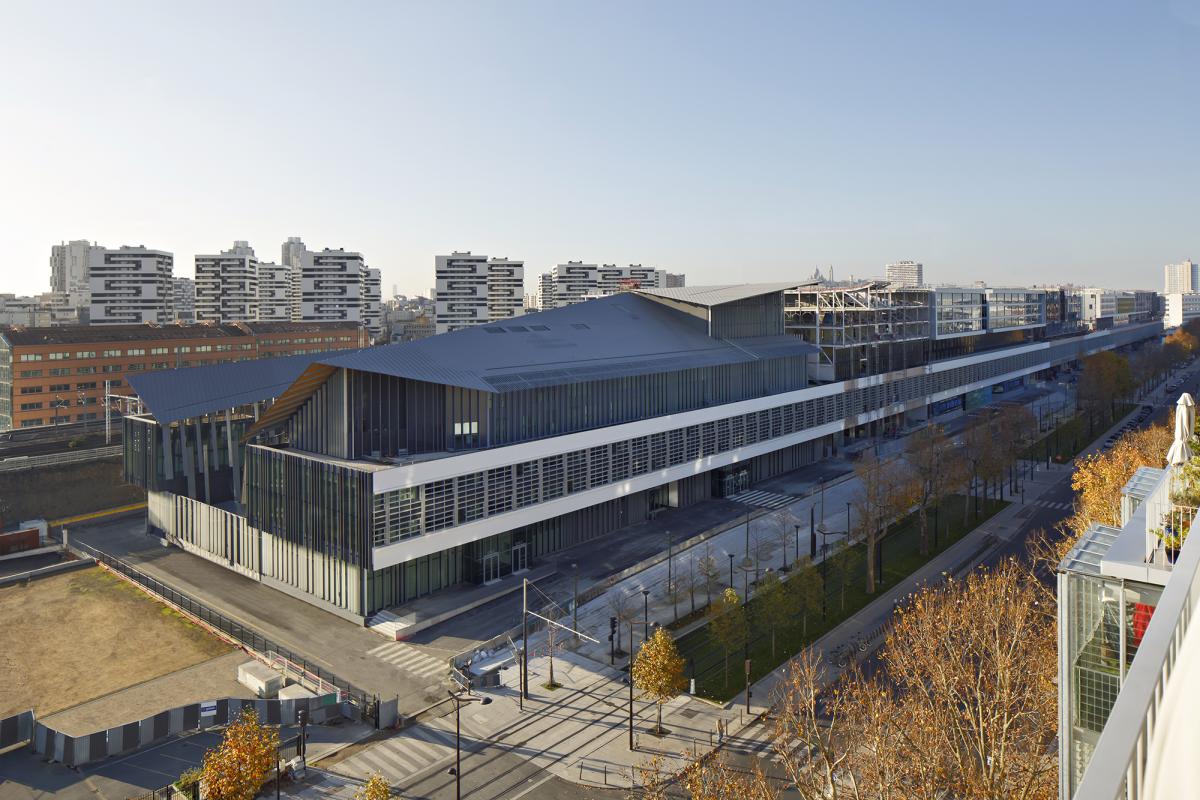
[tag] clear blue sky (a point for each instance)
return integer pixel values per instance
(1013, 142)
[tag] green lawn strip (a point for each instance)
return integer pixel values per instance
(1073, 435)
(901, 558)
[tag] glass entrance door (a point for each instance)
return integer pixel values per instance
(520, 561)
(491, 567)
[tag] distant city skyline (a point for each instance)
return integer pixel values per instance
(727, 146)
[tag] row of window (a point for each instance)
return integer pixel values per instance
(64, 387)
(137, 351)
(62, 419)
(437, 505)
(413, 511)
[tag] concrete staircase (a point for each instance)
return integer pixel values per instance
(387, 625)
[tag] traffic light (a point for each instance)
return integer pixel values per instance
(612, 625)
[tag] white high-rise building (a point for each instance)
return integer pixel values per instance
(132, 286)
(70, 266)
(905, 273)
(293, 251)
(506, 288)
(329, 286)
(473, 290)
(227, 285)
(574, 281)
(611, 279)
(544, 298)
(184, 299)
(1181, 278)
(372, 308)
(274, 291)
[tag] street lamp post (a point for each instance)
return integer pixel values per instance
(646, 611)
(456, 770)
(731, 570)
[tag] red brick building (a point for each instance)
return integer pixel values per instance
(57, 375)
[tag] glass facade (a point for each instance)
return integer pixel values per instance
(958, 312)
(1015, 308)
(1105, 621)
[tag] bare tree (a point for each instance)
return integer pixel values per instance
(708, 571)
(782, 528)
(883, 497)
(676, 588)
(621, 605)
(927, 453)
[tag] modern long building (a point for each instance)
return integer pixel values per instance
(381, 476)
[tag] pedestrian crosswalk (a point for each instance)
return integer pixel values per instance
(409, 659)
(753, 740)
(412, 750)
(755, 497)
(1057, 506)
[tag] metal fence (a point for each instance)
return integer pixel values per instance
(15, 463)
(252, 639)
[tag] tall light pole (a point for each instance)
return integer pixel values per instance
(575, 605)
(645, 613)
(731, 570)
(456, 770)
(524, 642)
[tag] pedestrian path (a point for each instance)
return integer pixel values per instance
(410, 659)
(762, 499)
(414, 749)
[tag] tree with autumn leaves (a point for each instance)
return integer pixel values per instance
(238, 767)
(658, 670)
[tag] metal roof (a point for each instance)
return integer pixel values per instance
(709, 296)
(616, 336)
(175, 394)
(1085, 557)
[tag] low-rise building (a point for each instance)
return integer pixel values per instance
(55, 375)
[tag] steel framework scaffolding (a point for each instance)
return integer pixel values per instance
(861, 329)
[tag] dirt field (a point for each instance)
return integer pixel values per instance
(73, 637)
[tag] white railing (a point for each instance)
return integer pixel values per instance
(1158, 512)
(1117, 769)
(16, 463)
